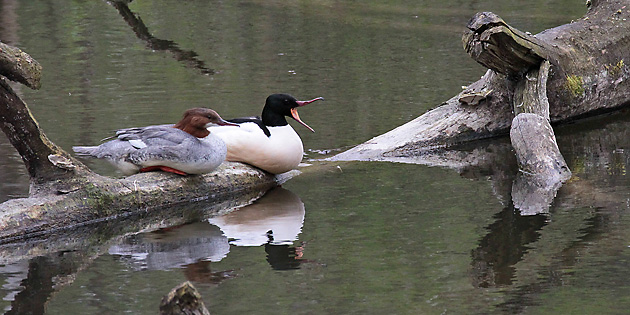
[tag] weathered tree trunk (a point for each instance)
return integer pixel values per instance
(65, 193)
(45, 162)
(588, 76)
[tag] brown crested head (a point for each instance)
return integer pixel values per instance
(197, 120)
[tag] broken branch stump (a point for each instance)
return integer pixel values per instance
(498, 46)
(542, 166)
(531, 134)
(184, 299)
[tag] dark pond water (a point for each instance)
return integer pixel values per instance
(358, 238)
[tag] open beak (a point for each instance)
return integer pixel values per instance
(302, 103)
(295, 115)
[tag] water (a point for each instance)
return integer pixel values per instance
(347, 237)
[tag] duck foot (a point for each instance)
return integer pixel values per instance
(162, 168)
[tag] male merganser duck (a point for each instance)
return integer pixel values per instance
(267, 142)
(184, 148)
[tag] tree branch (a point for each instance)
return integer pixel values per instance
(18, 66)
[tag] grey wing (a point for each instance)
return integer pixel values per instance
(161, 148)
(165, 153)
(162, 140)
(160, 136)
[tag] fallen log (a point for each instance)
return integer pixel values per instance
(558, 75)
(588, 76)
(64, 193)
(102, 198)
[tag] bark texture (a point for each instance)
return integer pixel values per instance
(44, 161)
(102, 198)
(542, 167)
(19, 66)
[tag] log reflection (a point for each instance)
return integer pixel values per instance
(529, 255)
(504, 246)
(44, 275)
(558, 272)
(187, 57)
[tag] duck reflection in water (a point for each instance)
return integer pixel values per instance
(274, 221)
(191, 247)
(283, 257)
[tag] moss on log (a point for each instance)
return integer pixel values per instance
(98, 198)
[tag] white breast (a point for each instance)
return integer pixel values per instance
(279, 153)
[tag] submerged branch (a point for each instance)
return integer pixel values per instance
(183, 299)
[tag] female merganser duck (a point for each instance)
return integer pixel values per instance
(267, 142)
(184, 148)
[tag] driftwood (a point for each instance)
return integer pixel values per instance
(559, 75)
(589, 75)
(65, 193)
